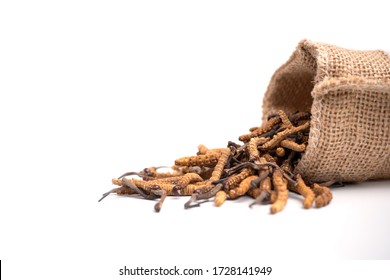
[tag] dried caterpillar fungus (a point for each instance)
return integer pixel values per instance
(262, 168)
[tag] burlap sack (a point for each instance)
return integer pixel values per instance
(348, 94)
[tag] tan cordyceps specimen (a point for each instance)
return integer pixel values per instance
(266, 128)
(220, 198)
(242, 188)
(305, 191)
(254, 153)
(280, 185)
(262, 168)
(283, 135)
(290, 144)
(209, 159)
(222, 161)
(285, 120)
(187, 179)
(323, 195)
(234, 180)
(280, 151)
(202, 150)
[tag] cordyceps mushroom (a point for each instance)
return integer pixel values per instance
(263, 167)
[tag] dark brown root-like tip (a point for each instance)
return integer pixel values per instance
(269, 133)
(216, 182)
(188, 204)
(256, 182)
(240, 166)
(200, 195)
(210, 193)
(157, 207)
(140, 191)
(263, 197)
(162, 194)
(108, 193)
(271, 116)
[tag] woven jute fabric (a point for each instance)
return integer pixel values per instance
(348, 94)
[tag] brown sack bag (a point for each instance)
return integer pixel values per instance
(348, 95)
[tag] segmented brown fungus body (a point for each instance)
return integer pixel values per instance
(289, 144)
(323, 195)
(242, 188)
(301, 188)
(210, 159)
(220, 198)
(253, 144)
(285, 120)
(263, 129)
(262, 168)
(280, 185)
(234, 180)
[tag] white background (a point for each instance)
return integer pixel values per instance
(92, 89)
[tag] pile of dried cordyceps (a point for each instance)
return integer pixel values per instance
(263, 168)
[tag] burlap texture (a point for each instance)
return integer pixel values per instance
(348, 95)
